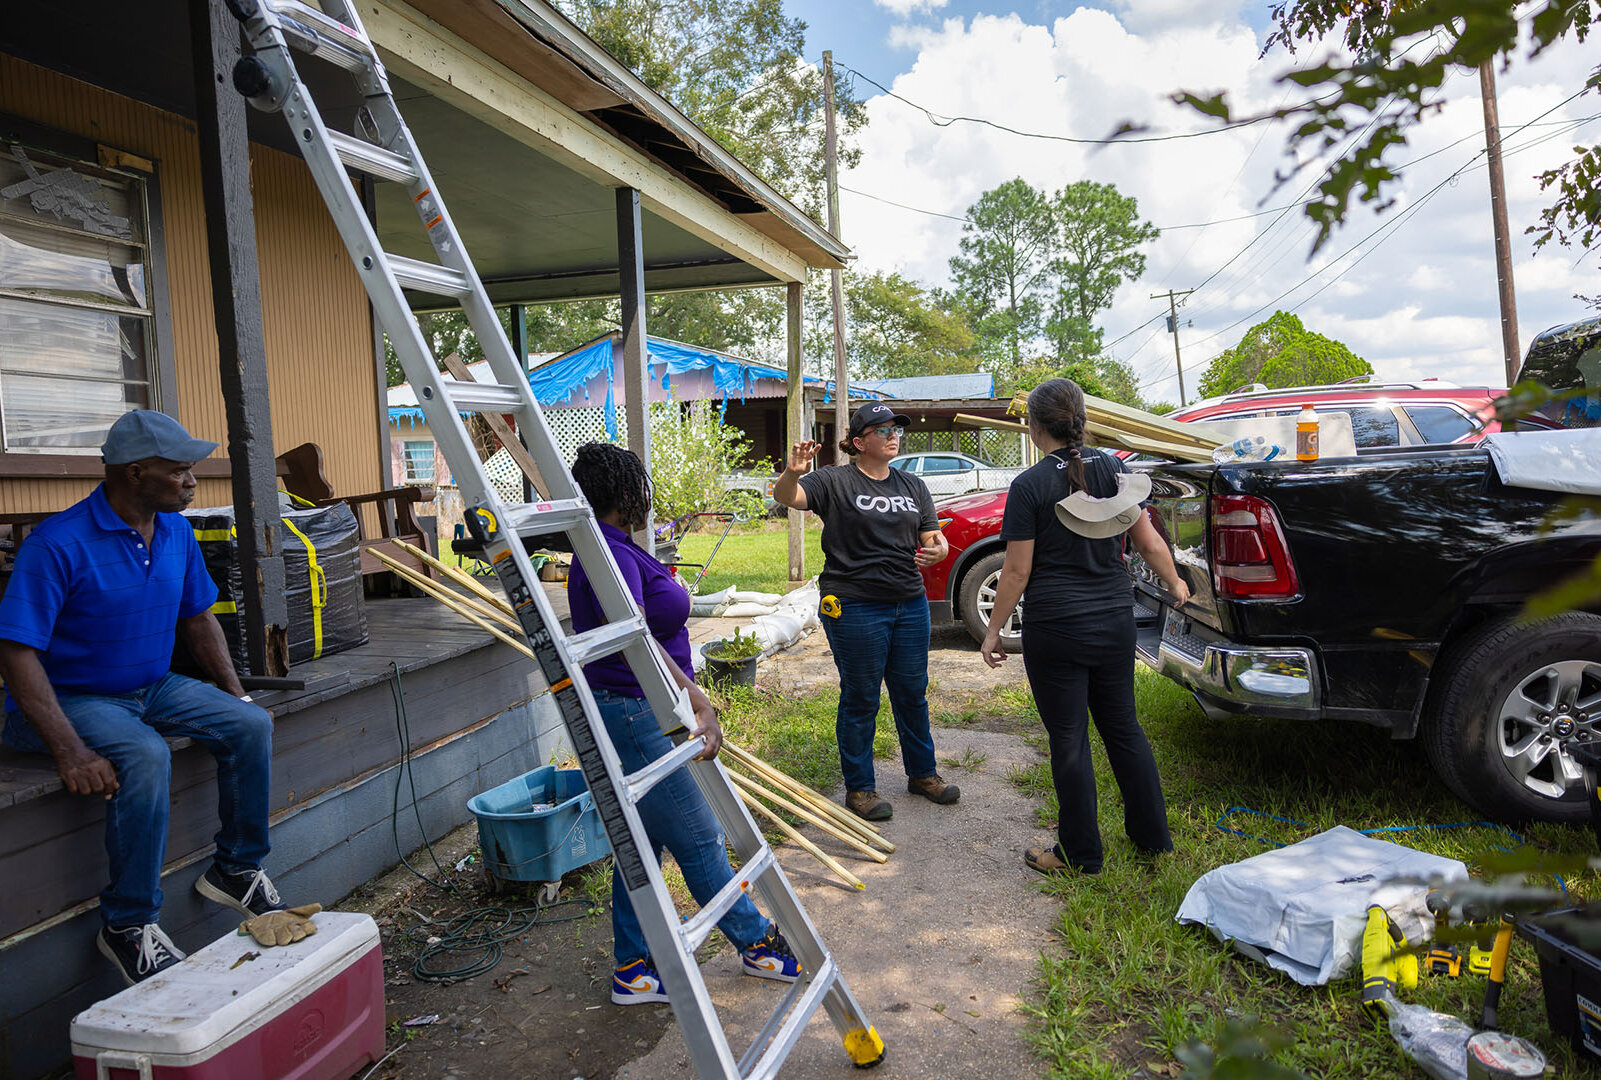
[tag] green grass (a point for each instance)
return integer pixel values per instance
(1123, 986)
(755, 559)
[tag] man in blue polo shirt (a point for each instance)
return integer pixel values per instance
(87, 627)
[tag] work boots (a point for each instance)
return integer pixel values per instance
(868, 805)
(934, 789)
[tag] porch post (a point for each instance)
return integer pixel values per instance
(386, 465)
(795, 410)
(241, 349)
(519, 347)
(636, 367)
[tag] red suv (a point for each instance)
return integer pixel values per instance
(962, 587)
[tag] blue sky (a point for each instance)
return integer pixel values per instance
(1412, 290)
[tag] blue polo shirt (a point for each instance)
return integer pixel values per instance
(100, 608)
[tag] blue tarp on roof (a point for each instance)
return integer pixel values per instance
(556, 382)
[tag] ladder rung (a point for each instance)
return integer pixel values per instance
(363, 156)
(605, 640)
(314, 33)
(699, 927)
(482, 397)
(544, 518)
(638, 784)
(429, 277)
(799, 1014)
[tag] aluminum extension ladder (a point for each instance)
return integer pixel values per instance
(382, 147)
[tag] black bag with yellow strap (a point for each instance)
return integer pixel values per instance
(322, 577)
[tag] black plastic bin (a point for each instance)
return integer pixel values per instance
(1569, 973)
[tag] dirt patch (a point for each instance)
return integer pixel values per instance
(543, 1011)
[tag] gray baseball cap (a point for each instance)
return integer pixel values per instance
(145, 433)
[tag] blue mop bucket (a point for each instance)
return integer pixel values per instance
(522, 843)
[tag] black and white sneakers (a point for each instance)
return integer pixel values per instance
(249, 893)
(138, 951)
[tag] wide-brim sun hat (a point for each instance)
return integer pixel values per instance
(1099, 519)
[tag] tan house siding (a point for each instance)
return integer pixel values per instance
(320, 366)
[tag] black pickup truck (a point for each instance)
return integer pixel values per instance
(1385, 589)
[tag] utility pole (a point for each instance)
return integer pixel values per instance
(1173, 325)
(836, 287)
(1503, 243)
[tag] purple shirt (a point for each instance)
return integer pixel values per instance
(663, 600)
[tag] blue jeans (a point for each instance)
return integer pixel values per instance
(127, 730)
(873, 644)
(676, 817)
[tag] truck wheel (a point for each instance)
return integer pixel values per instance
(977, 599)
(1513, 698)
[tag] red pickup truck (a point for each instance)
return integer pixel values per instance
(1431, 412)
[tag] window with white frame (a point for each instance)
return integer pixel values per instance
(418, 455)
(77, 328)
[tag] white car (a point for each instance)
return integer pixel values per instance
(948, 473)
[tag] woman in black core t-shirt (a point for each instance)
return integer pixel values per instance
(878, 528)
(1078, 631)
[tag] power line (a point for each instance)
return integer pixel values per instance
(940, 120)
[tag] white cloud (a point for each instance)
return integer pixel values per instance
(1417, 298)
(905, 8)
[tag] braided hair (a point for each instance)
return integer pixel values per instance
(613, 478)
(1057, 406)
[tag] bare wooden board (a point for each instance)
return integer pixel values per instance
(503, 431)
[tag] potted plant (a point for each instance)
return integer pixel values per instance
(733, 660)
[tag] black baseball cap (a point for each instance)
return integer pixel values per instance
(874, 413)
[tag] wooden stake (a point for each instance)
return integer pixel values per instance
(480, 609)
(789, 830)
(455, 573)
(828, 827)
(833, 810)
(450, 600)
(787, 783)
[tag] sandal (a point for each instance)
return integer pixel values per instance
(1047, 861)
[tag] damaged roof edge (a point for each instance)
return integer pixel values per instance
(563, 35)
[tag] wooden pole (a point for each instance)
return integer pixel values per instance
(1510, 350)
(835, 831)
(836, 289)
(794, 412)
(789, 830)
(450, 600)
(503, 430)
(456, 574)
(1173, 324)
(636, 351)
(785, 782)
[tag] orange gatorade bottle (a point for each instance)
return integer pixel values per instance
(1306, 434)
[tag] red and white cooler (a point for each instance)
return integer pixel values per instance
(313, 1010)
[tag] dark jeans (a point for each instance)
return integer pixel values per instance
(881, 644)
(677, 817)
(127, 730)
(1075, 672)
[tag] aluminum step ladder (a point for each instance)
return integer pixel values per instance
(381, 147)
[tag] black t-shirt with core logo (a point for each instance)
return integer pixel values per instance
(870, 531)
(1072, 574)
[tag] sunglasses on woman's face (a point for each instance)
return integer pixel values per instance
(887, 431)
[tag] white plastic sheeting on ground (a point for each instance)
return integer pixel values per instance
(1566, 461)
(777, 620)
(1301, 909)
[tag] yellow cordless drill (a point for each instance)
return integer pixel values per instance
(1387, 966)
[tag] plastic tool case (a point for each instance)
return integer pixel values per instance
(313, 1010)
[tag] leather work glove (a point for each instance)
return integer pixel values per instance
(282, 927)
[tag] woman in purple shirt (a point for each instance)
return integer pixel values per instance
(674, 812)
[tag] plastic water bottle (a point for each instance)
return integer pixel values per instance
(1249, 448)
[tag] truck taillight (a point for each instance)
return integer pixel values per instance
(1250, 559)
